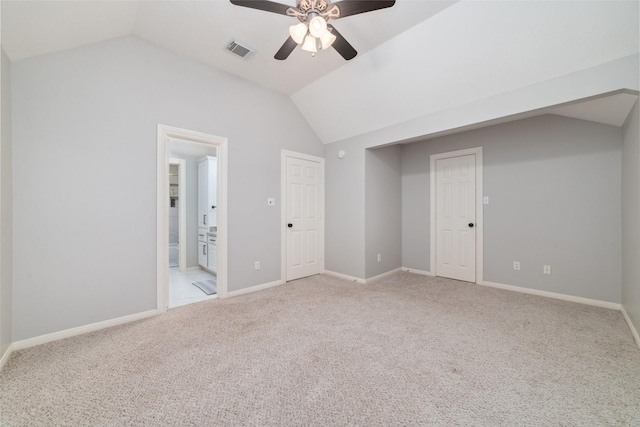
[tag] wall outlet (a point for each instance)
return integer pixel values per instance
(257, 265)
(379, 257)
(516, 265)
(546, 269)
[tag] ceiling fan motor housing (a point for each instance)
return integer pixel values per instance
(310, 5)
(308, 13)
(310, 8)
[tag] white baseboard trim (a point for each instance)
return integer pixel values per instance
(380, 276)
(571, 298)
(42, 339)
(344, 276)
(254, 288)
(5, 356)
(634, 331)
(414, 271)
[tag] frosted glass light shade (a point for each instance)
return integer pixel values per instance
(327, 40)
(310, 44)
(318, 26)
(298, 32)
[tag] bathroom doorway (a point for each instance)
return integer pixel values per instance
(191, 218)
(197, 198)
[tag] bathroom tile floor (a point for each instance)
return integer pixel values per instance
(181, 288)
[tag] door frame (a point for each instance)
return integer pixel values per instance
(162, 210)
(477, 151)
(283, 207)
(182, 212)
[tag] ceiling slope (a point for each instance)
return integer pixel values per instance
(32, 28)
(468, 52)
(201, 30)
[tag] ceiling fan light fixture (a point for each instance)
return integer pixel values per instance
(310, 44)
(317, 26)
(327, 40)
(298, 32)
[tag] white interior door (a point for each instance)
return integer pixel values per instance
(305, 217)
(456, 217)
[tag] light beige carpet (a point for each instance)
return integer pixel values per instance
(406, 350)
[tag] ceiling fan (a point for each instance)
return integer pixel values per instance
(313, 31)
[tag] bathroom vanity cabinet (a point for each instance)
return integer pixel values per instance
(207, 214)
(212, 250)
(207, 191)
(203, 249)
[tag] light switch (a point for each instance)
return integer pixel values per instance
(485, 200)
(271, 201)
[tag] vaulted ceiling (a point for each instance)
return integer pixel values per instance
(201, 30)
(416, 58)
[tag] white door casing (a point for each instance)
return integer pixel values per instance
(456, 202)
(455, 218)
(303, 208)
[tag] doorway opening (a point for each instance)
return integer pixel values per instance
(192, 221)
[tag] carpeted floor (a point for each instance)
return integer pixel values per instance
(406, 350)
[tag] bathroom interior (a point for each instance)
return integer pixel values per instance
(193, 195)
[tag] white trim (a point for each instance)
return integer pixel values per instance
(477, 151)
(183, 240)
(414, 271)
(162, 212)
(344, 276)
(255, 288)
(43, 339)
(283, 207)
(6, 355)
(564, 297)
(380, 276)
(634, 331)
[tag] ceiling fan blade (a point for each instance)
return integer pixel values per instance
(286, 49)
(341, 45)
(268, 6)
(354, 7)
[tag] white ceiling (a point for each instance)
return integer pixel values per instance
(611, 110)
(416, 58)
(471, 51)
(201, 30)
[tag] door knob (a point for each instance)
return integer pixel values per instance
(289, 225)
(471, 224)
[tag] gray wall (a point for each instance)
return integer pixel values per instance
(6, 212)
(383, 210)
(344, 210)
(85, 237)
(554, 189)
(631, 217)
